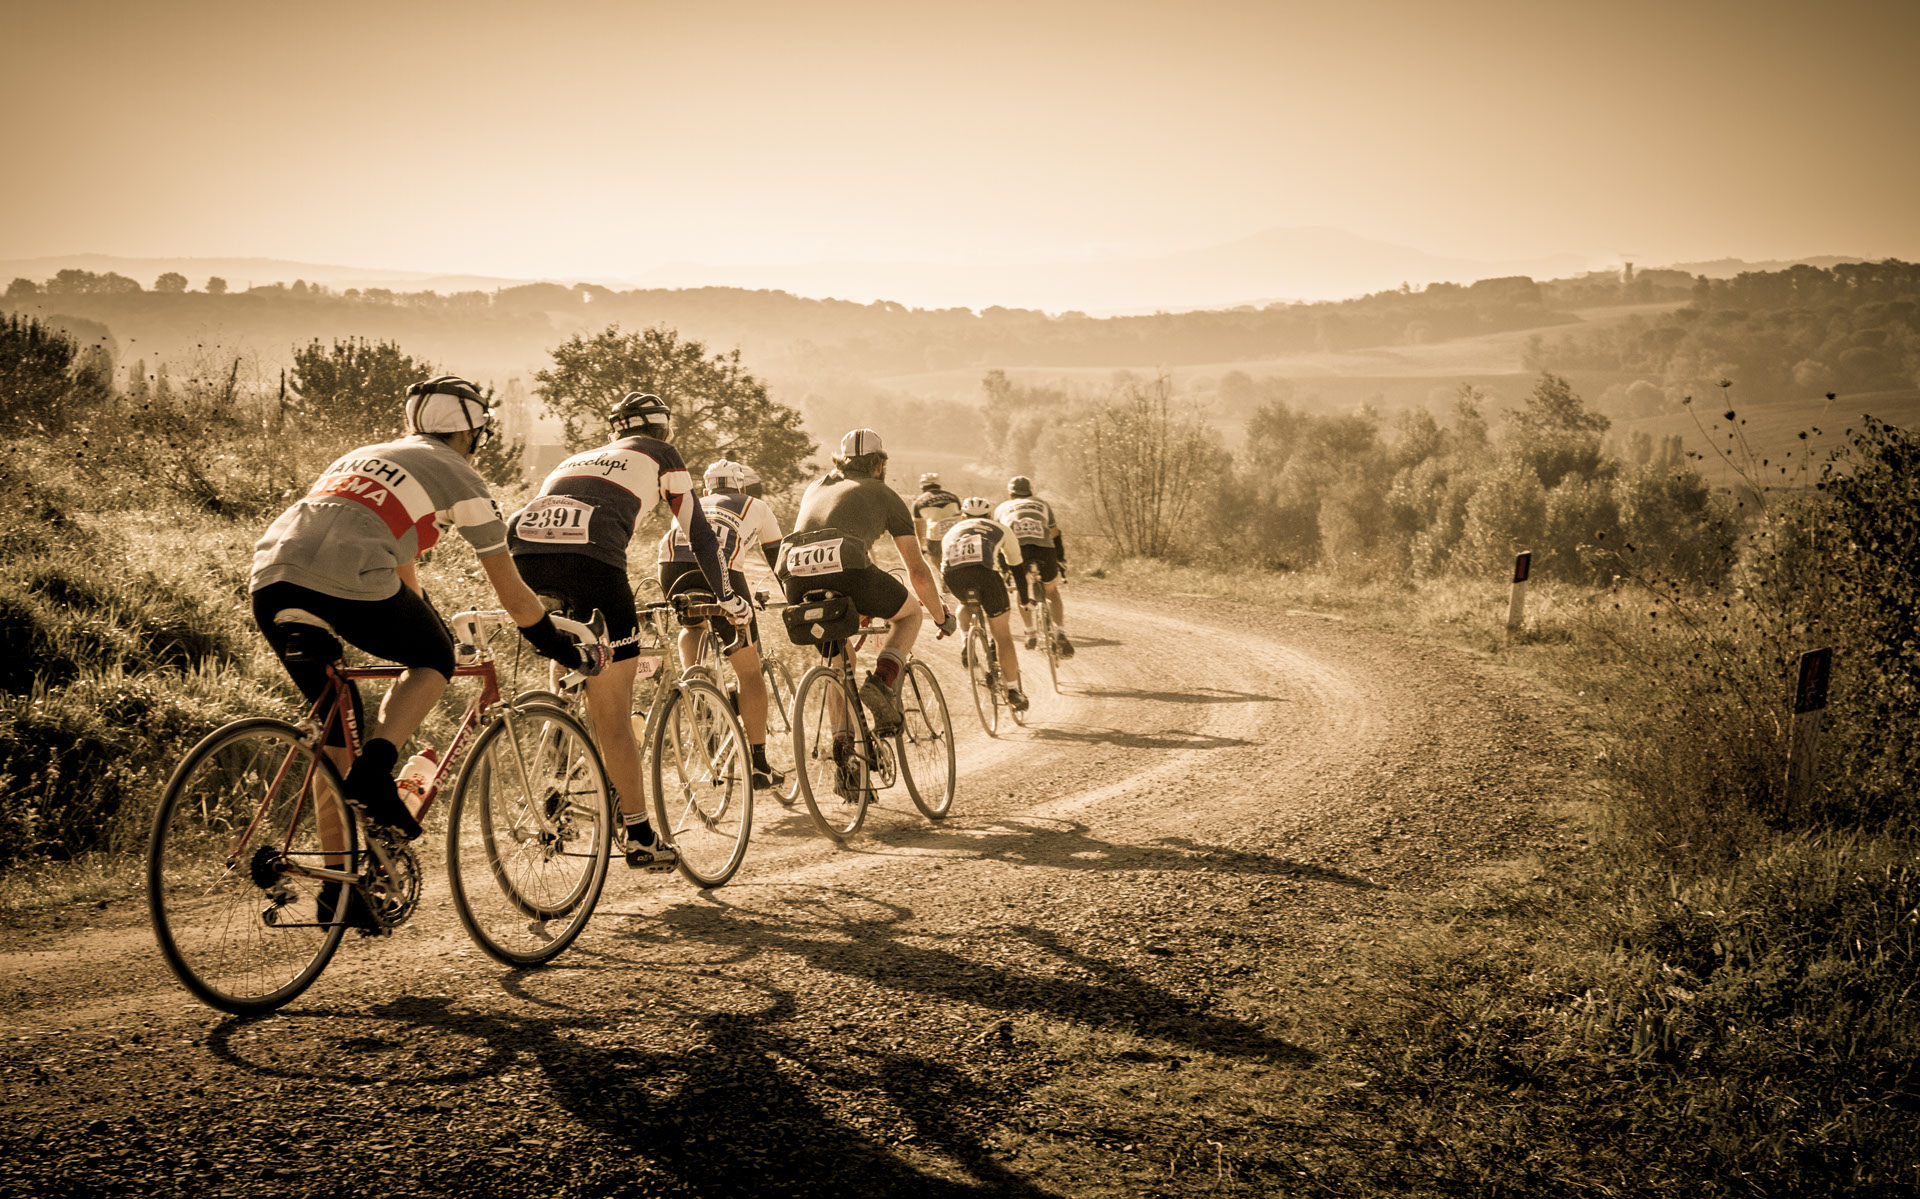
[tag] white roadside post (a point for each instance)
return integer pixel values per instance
(1803, 745)
(1517, 606)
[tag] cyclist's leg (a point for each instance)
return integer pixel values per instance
(1003, 643)
(741, 644)
(610, 705)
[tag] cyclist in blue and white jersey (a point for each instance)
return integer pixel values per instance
(571, 542)
(743, 523)
(345, 554)
(973, 553)
(1033, 522)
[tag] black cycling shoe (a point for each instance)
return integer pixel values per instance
(767, 778)
(358, 915)
(373, 789)
(1064, 646)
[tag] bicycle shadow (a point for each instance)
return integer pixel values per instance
(1202, 695)
(1165, 739)
(719, 1104)
(1058, 844)
(801, 923)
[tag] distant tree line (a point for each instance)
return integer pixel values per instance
(818, 336)
(1798, 332)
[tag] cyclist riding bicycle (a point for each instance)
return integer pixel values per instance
(344, 556)
(571, 542)
(974, 552)
(741, 522)
(1033, 522)
(935, 510)
(841, 517)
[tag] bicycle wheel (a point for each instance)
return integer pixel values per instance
(529, 835)
(833, 769)
(926, 742)
(702, 783)
(780, 726)
(237, 918)
(986, 698)
(1047, 643)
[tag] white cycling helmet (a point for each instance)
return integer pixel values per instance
(449, 404)
(737, 475)
(975, 505)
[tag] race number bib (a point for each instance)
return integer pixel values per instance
(1026, 528)
(820, 558)
(967, 550)
(558, 519)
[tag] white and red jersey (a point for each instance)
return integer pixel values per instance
(374, 510)
(591, 502)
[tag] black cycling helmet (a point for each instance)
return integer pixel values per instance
(449, 404)
(1019, 487)
(636, 410)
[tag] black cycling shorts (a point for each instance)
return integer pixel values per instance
(875, 592)
(678, 578)
(402, 628)
(984, 582)
(585, 585)
(1042, 556)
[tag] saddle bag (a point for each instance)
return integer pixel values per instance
(817, 621)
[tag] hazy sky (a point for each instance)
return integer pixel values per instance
(602, 139)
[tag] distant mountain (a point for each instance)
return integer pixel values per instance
(1727, 268)
(1279, 264)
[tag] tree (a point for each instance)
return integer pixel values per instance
(36, 365)
(21, 289)
(1144, 459)
(356, 386)
(719, 409)
(1554, 435)
(172, 283)
(216, 286)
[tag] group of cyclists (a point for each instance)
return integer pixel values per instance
(345, 557)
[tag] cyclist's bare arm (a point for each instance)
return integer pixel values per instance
(918, 574)
(515, 596)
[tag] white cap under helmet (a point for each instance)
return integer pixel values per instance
(723, 473)
(860, 441)
(447, 404)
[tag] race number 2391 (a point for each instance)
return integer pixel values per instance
(821, 558)
(555, 518)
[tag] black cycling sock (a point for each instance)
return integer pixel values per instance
(377, 755)
(760, 757)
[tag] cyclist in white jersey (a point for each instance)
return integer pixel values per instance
(743, 523)
(973, 553)
(1033, 522)
(571, 542)
(344, 556)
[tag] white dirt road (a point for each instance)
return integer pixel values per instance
(1216, 790)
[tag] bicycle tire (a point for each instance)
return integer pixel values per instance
(779, 682)
(835, 789)
(925, 742)
(980, 681)
(232, 826)
(1047, 641)
(529, 834)
(702, 783)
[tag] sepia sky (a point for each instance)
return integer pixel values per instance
(604, 139)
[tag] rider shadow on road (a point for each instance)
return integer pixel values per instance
(1198, 695)
(1044, 843)
(1165, 739)
(712, 1102)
